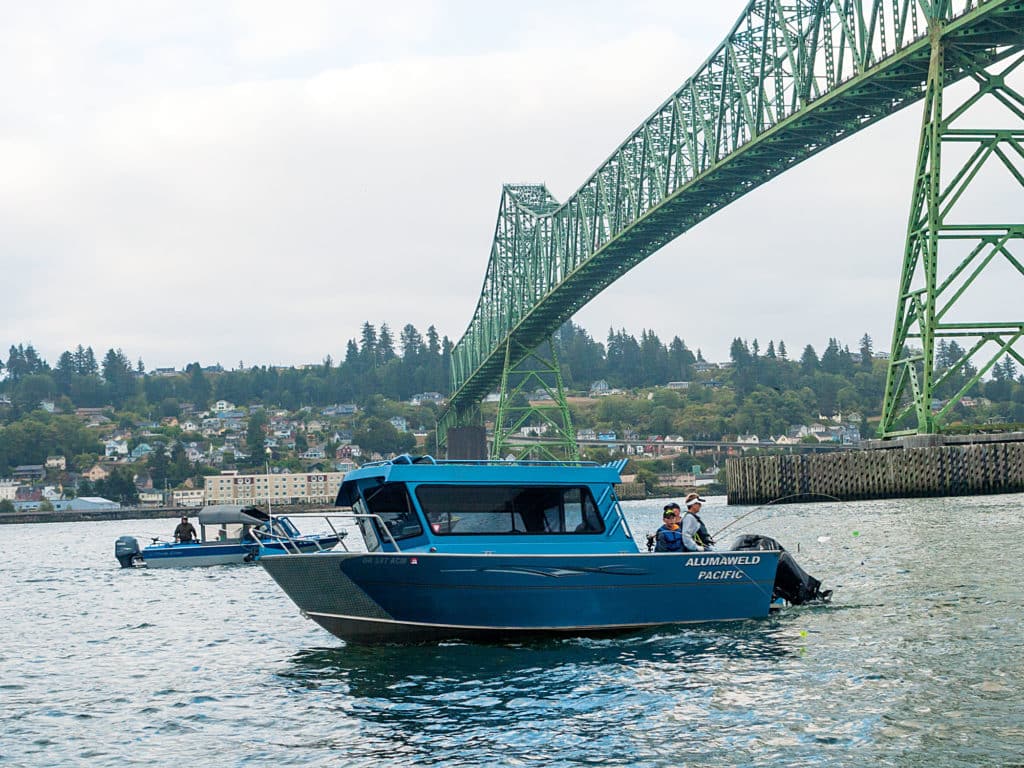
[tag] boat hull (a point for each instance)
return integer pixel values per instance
(191, 555)
(421, 596)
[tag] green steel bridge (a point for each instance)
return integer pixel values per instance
(792, 78)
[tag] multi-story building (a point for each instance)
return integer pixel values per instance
(8, 489)
(229, 487)
(187, 497)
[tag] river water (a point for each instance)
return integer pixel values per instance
(917, 662)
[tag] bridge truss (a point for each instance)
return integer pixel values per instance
(945, 254)
(792, 78)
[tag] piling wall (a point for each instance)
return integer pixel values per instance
(894, 472)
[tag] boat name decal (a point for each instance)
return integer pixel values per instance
(697, 562)
(720, 575)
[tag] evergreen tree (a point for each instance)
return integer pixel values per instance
(368, 346)
(744, 376)
(411, 343)
(117, 373)
(199, 389)
(433, 345)
(157, 463)
(866, 352)
(16, 364)
(653, 358)
(351, 353)
(681, 360)
(64, 373)
(385, 345)
(809, 363)
(830, 362)
(255, 436)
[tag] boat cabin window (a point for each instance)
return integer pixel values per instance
(392, 504)
(496, 509)
(228, 532)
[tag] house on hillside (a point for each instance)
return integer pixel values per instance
(29, 472)
(141, 450)
(96, 473)
(113, 449)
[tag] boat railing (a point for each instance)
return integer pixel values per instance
(426, 459)
(331, 515)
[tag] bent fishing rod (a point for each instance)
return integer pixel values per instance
(768, 504)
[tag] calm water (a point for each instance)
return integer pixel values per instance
(917, 662)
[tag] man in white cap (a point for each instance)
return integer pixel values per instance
(694, 533)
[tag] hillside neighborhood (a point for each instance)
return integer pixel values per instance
(311, 450)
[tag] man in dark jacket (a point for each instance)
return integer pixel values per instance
(185, 533)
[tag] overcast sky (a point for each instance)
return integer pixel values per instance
(251, 181)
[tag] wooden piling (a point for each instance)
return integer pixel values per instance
(915, 467)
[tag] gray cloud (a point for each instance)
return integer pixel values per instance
(228, 182)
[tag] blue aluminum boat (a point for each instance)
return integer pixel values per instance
(500, 550)
(229, 533)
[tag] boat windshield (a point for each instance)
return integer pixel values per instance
(392, 504)
(282, 526)
(499, 509)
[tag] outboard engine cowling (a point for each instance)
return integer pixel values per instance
(792, 583)
(127, 551)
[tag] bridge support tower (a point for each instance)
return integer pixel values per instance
(934, 300)
(518, 407)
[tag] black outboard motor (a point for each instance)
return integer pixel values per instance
(127, 552)
(792, 583)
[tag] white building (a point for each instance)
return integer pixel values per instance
(284, 488)
(8, 489)
(187, 497)
(115, 448)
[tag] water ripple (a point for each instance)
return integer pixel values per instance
(916, 663)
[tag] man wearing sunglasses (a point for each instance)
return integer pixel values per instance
(693, 532)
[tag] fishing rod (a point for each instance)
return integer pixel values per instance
(769, 503)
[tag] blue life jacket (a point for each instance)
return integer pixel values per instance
(667, 540)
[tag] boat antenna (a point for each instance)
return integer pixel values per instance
(769, 503)
(270, 512)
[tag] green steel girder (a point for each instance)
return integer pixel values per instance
(791, 79)
(924, 300)
(533, 372)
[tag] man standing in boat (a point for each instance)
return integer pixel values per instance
(694, 533)
(185, 533)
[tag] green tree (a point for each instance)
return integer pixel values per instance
(866, 352)
(119, 486)
(255, 436)
(118, 374)
(31, 389)
(199, 388)
(379, 435)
